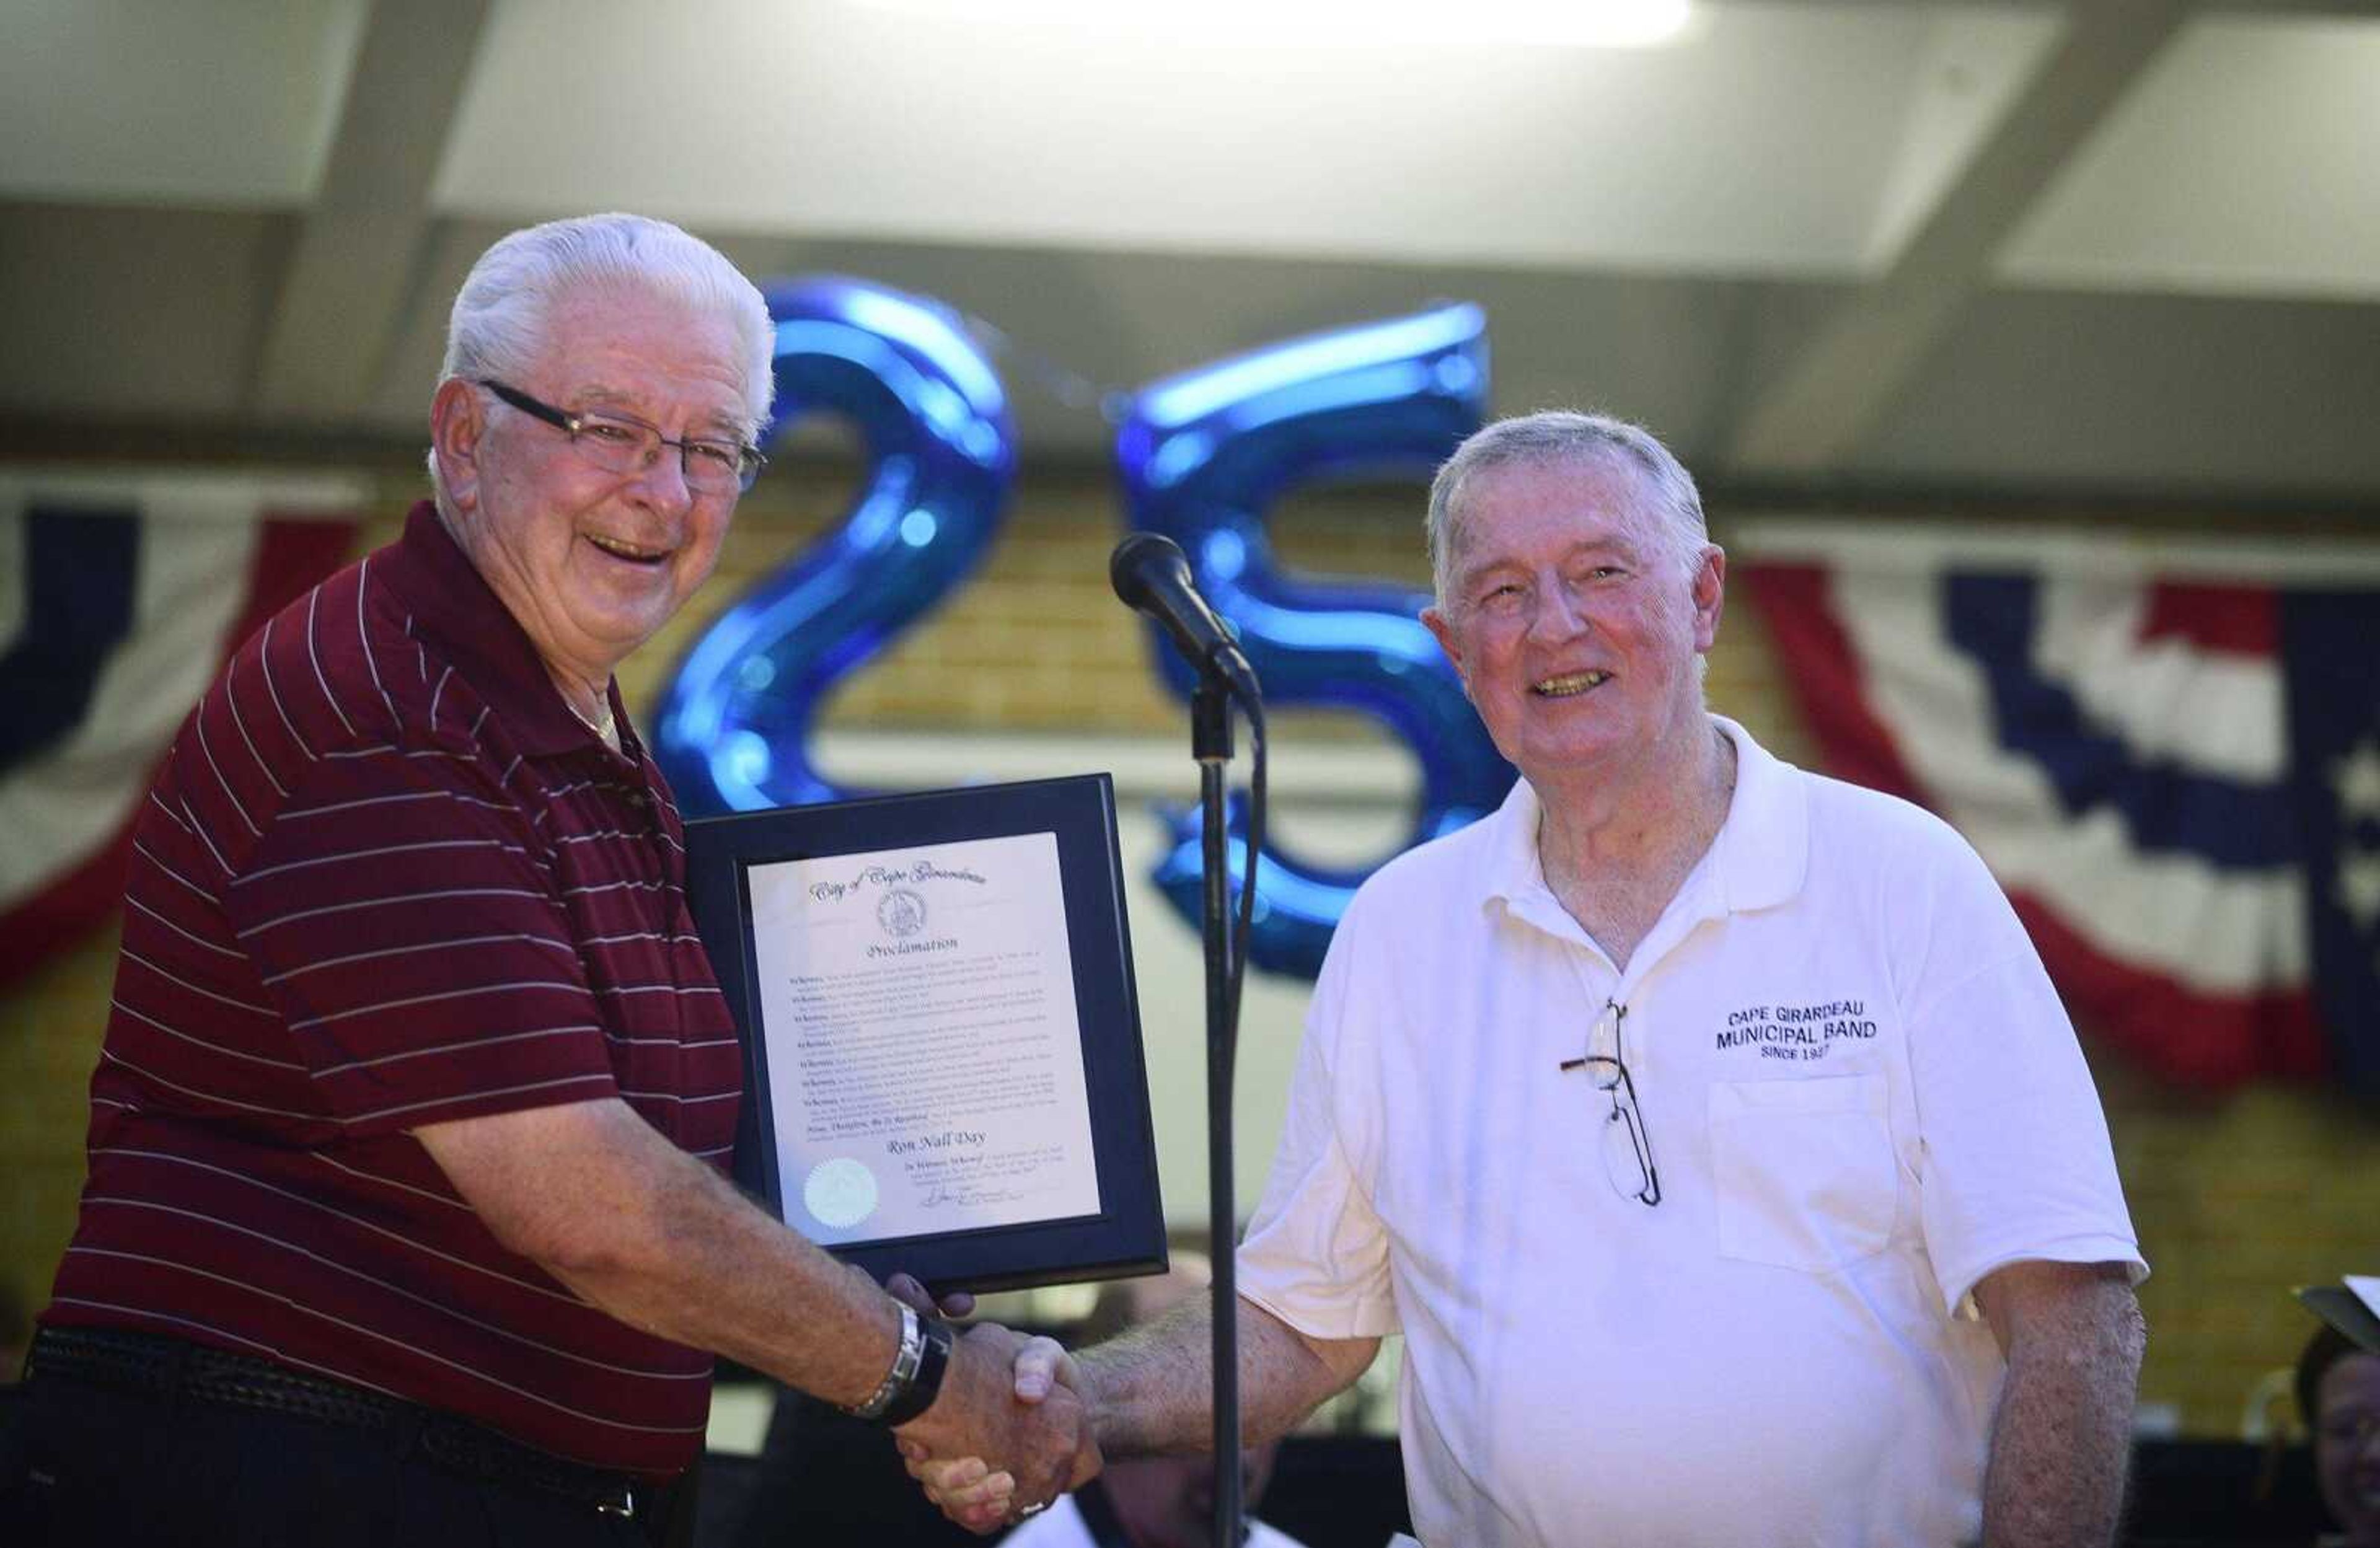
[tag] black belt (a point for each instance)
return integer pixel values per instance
(160, 1366)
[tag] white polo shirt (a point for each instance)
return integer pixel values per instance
(1862, 1097)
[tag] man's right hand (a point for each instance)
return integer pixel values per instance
(965, 1484)
(1007, 1433)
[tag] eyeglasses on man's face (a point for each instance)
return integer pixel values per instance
(617, 443)
(1627, 1149)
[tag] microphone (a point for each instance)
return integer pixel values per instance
(1150, 576)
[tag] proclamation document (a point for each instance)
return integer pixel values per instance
(926, 1056)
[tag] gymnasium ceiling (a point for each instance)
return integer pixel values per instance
(2124, 250)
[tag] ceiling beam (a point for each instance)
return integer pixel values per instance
(1822, 406)
(2368, 10)
(344, 292)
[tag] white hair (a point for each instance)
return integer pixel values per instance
(498, 325)
(1559, 435)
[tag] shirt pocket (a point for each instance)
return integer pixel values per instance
(1803, 1168)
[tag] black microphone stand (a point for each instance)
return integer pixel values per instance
(1210, 744)
(1151, 576)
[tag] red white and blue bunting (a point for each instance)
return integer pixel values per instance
(121, 596)
(2168, 752)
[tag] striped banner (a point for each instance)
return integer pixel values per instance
(121, 596)
(2169, 754)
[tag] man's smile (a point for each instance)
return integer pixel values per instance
(635, 553)
(1569, 686)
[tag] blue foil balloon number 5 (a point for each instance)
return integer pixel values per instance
(734, 729)
(1201, 455)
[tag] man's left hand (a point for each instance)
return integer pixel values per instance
(907, 1287)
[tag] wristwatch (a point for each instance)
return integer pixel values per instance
(914, 1380)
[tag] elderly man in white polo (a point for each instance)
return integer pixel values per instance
(1708, 1128)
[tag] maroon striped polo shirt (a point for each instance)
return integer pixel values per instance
(386, 879)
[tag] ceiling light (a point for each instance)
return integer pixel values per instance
(1578, 23)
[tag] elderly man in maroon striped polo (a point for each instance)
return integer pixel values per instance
(406, 1219)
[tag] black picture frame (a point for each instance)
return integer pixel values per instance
(1128, 1237)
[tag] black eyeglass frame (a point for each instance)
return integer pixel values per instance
(748, 459)
(1631, 1111)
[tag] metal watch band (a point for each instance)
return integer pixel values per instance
(903, 1370)
(927, 1384)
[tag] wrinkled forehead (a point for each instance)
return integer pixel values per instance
(618, 338)
(1599, 495)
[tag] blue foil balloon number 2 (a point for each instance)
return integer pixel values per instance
(1201, 455)
(734, 729)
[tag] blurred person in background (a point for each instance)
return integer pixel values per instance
(2338, 1394)
(406, 1219)
(16, 1336)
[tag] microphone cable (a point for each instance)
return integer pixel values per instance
(1221, 1076)
(1251, 703)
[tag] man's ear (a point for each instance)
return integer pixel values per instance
(457, 419)
(1709, 595)
(1434, 618)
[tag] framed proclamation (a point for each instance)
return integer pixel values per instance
(941, 1039)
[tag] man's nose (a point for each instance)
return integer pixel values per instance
(1558, 614)
(662, 480)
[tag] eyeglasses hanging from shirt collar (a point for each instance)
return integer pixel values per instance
(1627, 1148)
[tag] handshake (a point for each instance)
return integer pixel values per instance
(1020, 1421)
(1010, 1430)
